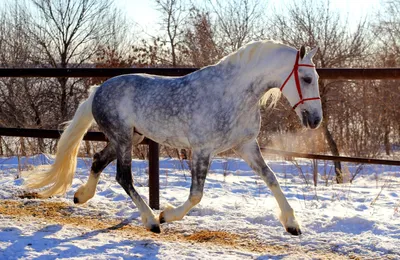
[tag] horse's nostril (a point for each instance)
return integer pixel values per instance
(314, 123)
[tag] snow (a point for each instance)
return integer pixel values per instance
(358, 219)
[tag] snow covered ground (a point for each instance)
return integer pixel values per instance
(237, 218)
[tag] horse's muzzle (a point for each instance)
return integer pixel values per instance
(310, 120)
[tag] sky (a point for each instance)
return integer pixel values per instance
(144, 14)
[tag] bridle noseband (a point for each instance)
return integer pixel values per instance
(295, 71)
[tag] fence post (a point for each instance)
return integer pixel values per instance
(154, 177)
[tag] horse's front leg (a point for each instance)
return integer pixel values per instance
(250, 152)
(200, 164)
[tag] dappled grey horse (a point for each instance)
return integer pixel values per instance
(208, 111)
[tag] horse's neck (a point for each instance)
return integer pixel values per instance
(252, 79)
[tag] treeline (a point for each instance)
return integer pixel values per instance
(361, 117)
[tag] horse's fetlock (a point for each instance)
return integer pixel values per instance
(150, 222)
(82, 195)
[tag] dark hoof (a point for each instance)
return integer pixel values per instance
(294, 231)
(76, 201)
(155, 229)
(161, 218)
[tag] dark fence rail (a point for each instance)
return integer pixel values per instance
(330, 157)
(324, 73)
(52, 134)
(45, 133)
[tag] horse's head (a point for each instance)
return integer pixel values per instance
(302, 91)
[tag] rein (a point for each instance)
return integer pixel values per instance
(295, 71)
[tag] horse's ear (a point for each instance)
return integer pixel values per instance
(311, 54)
(302, 52)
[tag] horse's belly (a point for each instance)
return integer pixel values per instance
(162, 135)
(173, 141)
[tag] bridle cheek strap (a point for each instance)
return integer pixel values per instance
(295, 72)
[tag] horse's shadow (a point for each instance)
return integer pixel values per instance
(41, 245)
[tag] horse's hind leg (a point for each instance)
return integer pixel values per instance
(124, 178)
(200, 164)
(250, 152)
(100, 161)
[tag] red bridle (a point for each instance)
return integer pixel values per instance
(295, 71)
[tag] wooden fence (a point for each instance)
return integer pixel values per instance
(324, 73)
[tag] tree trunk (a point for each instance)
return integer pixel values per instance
(387, 141)
(22, 146)
(173, 55)
(64, 100)
(88, 148)
(41, 145)
(334, 150)
(315, 172)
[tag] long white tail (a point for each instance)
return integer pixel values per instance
(59, 177)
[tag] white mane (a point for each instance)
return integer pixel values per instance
(273, 94)
(252, 51)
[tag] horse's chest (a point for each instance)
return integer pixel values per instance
(245, 130)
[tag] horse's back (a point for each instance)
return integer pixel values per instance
(154, 105)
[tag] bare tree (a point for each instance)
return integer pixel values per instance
(23, 101)
(387, 31)
(387, 27)
(59, 33)
(19, 102)
(199, 39)
(238, 21)
(173, 16)
(67, 33)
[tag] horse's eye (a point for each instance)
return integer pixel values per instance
(307, 80)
